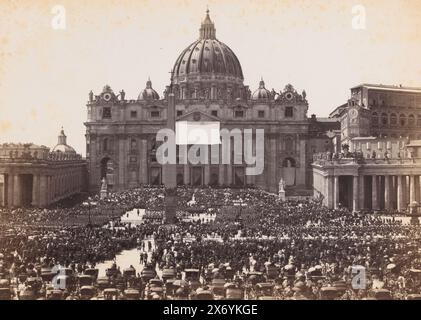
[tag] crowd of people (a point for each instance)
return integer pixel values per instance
(247, 239)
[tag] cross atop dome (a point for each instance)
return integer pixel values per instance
(207, 29)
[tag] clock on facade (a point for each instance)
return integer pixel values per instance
(106, 96)
(353, 113)
(288, 95)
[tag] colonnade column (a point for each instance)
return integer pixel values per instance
(411, 189)
(361, 195)
(375, 200)
(387, 193)
(10, 182)
(35, 190)
(355, 194)
(417, 188)
(16, 191)
(43, 191)
(400, 194)
(336, 192)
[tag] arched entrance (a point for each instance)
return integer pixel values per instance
(288, 168)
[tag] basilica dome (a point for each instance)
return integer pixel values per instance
(62, 145)
(262, 93)
(207, 59)
(148, 93)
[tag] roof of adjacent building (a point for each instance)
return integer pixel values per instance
(414, 143)
(389, 87)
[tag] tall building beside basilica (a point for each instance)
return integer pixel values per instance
(376, 161)
(208, 84)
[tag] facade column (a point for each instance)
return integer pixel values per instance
(400, 194)
(417, 188)
(47, 192)
(50, 190)
(53, 188)
(355, 194)
(375, 200)
(207, 168)
(272, 177)
(35, 190)
(17, 191)
(143, 162)
(221, 174)
(336, 192)
(186, 174)
(206, 174)
(361, 192)
(387, 193)
(229, 174)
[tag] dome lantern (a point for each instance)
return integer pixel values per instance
(62, 137)
(207, 29)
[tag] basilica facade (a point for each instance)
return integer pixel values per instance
(208, 85)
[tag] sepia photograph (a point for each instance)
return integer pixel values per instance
(222, 150)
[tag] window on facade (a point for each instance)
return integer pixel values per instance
(289, 112)
(133, 159)
(106, 113)
(261, 114)
(411, 120)
(133, 144)
(402, 120)
(374, 119)
(133, 114)
(179, 113)
(289, 144)
(393, 119)
(214, 113)
(239, 113)
(105, 145)
(384, 119)
(154, 114)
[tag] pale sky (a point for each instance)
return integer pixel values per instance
(46, 74)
